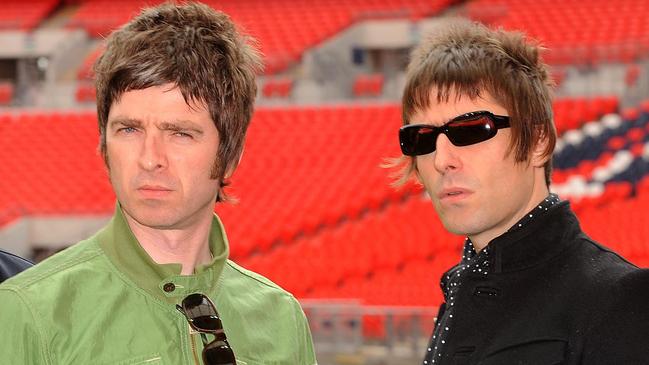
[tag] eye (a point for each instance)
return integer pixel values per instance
(182, 134)
(127, 130)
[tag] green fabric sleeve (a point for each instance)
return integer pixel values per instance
(307, 352)
(22, 339)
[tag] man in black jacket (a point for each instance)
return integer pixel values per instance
(531, 287)
(11, 265)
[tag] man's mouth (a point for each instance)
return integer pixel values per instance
(453, 193)
(154, 191)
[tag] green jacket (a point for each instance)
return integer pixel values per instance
(103, 301)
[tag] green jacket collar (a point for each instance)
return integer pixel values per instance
(163, 281)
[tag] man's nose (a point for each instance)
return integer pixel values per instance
(445, 155)
(152, 154)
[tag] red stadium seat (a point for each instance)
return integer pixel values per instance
(312, 194)
(277, 87)
(6, 92)
(368, 85)
(284, 28)
(24, 15)
(601, 37)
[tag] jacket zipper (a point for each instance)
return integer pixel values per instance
(191, 339)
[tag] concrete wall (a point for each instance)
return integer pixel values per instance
(327, 72)
(52, 232)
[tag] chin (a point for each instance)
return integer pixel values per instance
(458, 225)
(155, 220)
(152, 216)
(455, 229)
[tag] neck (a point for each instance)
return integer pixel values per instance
(188, 247)
(481, 240)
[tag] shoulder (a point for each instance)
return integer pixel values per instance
(633, 289)
(623, 300)
(600, 265)
(11, 264)
(245, 286)
(618, 330)
(236, 275)
(255, 302)
(604, 279)
(60, 268)
(258, 297)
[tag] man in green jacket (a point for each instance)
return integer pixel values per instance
(175, 93)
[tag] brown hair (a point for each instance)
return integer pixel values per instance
(200, 51)
(467, 58)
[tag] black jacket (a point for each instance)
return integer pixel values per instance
(11, 265)
(553, 296)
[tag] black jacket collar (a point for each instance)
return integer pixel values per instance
(540, 240)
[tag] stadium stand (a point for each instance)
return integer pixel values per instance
(571, 113)
(24, 15)
(278, 87)
(284, 29)
(311, 188)
(85, 92)
(322, 178)
(50, 164)
(573, 31)
(85, 71)
(6, 92)
(368, 85)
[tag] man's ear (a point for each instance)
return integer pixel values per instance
(539, 157)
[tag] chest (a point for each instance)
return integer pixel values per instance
(133, 329)
(533, 316)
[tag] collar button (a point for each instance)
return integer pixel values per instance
(169, 287)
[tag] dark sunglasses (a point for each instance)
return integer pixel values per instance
(203, 317)
(463, 130)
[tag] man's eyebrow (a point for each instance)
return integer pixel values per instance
(180, 125)
(130, 122)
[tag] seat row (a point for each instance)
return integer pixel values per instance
(395, 256)
(284, 28)
(304, 168)
(575, 32)
(24, 15)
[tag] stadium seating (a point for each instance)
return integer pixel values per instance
(6, 92)
(572, 113)
(396, 256)
(49, 164)
(312, 193)
(348, 259)
(85, 71)
(291, 153)
(574, 31)
(368, 85)
(85, 92)
(285, 28)
(337, 150)
(24, 15)
(277, 87)
(316, 212)
(307, 168)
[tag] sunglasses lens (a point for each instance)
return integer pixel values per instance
(202, 316)
(468, 132)
(202, 312)
(467, 129)
(207, 323)
(417, 140)
(218, 353)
